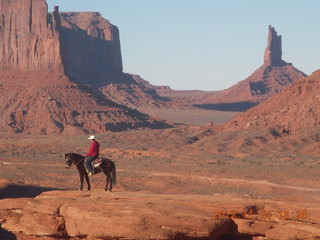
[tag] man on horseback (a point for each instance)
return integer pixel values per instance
(92, 154)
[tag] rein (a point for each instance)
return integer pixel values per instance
(77, 162)
(80, 161)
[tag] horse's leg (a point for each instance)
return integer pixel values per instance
(106, 171)
(88, 182)
(109, 180)
(81, 181)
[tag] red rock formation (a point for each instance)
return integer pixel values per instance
(27, 40)
(295, 109)
(99, 64)
(40, 51)
(271, 78)
(135, 215)
(32, 39)
(273, 52)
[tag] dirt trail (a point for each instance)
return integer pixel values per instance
(233, 180)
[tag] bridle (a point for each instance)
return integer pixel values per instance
(69, 161)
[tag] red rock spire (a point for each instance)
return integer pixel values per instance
(56, 18)
(273, 52)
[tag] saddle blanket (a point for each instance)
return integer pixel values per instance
(97, 162)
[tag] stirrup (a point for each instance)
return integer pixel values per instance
(88, 172)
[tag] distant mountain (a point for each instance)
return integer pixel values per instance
(269, 79)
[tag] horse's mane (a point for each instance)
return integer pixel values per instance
(76, 155)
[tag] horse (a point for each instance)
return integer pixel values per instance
(106, 166)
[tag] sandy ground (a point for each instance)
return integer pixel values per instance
(151, 160)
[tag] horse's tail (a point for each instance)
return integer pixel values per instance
(113, 174)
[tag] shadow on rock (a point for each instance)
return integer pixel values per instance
(4, 234)
(182, 236)
(232, 107)
(21, 191)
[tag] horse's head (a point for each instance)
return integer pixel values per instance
(68, 160)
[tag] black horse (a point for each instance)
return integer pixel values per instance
(106, 166)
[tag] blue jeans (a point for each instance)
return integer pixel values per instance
(88, 161)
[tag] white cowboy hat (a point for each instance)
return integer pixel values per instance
(92, 137)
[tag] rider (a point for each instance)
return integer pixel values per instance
(92, 154)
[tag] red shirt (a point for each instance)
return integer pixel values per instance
(94, 149)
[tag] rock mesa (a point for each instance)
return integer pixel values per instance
(51, 68)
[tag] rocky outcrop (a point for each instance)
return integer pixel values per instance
(271, 78)
(28, 41)
(141, 215)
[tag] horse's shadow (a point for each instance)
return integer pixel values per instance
(4, 234)
(22, 191)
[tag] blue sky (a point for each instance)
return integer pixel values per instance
(206, 44)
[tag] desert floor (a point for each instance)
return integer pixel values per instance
(156, 162)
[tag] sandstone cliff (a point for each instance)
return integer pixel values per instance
(269, 79)
(90, 47)
(83, 45)
(28, 41)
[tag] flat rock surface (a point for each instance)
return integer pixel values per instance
(146, 215)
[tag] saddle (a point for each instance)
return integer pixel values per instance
(97, 163)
